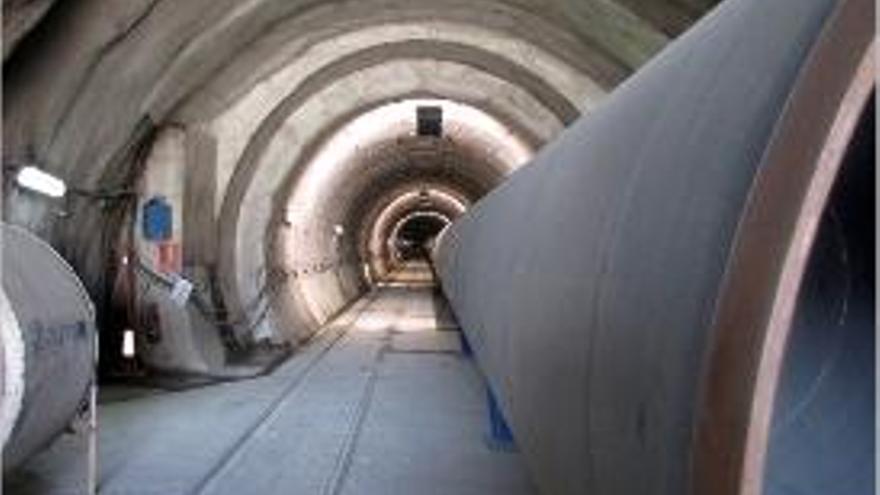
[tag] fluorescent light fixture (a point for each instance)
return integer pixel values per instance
(36, 180)
(128, 343)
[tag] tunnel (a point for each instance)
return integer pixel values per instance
(554, 247)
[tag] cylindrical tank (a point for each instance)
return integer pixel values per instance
(46, 345)
(672, 299)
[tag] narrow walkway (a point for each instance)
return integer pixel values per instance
(382, 402)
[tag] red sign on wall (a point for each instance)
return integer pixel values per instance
(169, 257)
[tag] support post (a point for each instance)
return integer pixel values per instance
(92, 467)
(500, 436)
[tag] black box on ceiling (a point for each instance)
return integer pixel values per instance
(430, 121)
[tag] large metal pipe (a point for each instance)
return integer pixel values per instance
(47, 338)
(630, 295)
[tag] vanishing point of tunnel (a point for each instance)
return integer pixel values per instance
(438, 247)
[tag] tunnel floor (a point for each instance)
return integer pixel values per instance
(383, 401)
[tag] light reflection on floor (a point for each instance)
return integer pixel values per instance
(415, 273)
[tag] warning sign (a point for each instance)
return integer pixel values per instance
(169, 257)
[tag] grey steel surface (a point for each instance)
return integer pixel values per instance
(588, 282)
(769, 296)
(56, 322)
(821, 439)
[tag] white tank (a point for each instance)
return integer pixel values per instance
(47, 335)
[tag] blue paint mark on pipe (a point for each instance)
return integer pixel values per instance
(500, 438)
(466, 349)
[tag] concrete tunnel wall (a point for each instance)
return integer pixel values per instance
(365, 161)
(613, 253)
(245, 95)
(377, 224)
(203, 249)
(279, 164)
(221, 107)
(310, 272)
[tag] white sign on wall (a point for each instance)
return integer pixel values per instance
(181, 291)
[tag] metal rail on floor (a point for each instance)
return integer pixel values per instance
(336, 481)
(229, 455)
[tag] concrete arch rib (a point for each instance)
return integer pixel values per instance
(533, 101)
(334, 104)
(225, 62)
(525, 110)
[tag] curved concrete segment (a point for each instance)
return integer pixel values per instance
(47, 340)
(588, 283)
(246, 92)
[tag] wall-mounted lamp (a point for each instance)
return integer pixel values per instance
(338, 230)
(128, 350)
(32, 178)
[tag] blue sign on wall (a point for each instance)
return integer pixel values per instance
(157, 219)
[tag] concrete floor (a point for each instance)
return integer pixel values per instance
(382, 402)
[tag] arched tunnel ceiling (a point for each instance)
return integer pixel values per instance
(496, 53)
(282, 146)
(19, 17)
(464, 170)
(380, 148)
(248, 130)
(413, 235)
(264, 83)
(405, 199)
(381, 231)
(367, 164)
(145, 58)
